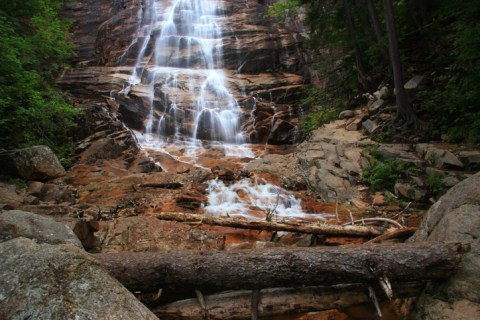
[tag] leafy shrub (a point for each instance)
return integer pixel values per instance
(284, 9)
(434, 183)
(316, 118)
(382, 175)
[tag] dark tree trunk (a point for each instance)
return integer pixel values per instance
(404, 110)
(183, 272)
(377, 29)
(375, 21)
(358, 57)
(423, 12)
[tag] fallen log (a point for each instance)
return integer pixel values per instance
(310, 228)
(281, 267)
(237, 305)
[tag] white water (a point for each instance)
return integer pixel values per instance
(247, 196)
(180, 63)
(179, 68)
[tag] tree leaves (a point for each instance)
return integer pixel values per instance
(34, 47)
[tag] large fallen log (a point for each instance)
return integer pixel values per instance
(281, 267)
(311, 228)
(280, 301)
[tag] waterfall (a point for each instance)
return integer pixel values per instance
(179, 72)
(179, 66)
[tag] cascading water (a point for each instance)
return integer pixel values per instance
(179, 64)
(179, 69)
(251, 199)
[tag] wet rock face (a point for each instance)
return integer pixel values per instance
(43, 281)
(254, 51)
(101, 28)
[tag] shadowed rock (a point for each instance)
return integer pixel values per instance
(43, 281)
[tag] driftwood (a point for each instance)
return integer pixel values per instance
(281, 267)
(311, 228)
(280, 301)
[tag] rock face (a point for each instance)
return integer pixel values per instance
(16, 223)
(330, 162)
(455, 217)
(43, 281)
(108, 38)
(38, 162)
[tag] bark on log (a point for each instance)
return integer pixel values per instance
(310, 228)
(281, 267)
(280, 301)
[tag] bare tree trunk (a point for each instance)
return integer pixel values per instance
(404, 110)
(280, 301)
(310, 228)
(184, 272)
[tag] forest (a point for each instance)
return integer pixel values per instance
(368, 42)
(438, 39)
(35, 46)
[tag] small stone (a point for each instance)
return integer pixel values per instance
(418, 181)
(379, 199)
(346, 114)
(470, 157)
(376, 106)
(414, 83)
(369, 125)
(449, 159)
(34, 188)
(407, 191)
(384, 92)
(450, 181)
(355, 125)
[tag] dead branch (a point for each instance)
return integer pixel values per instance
(310, 228)
(398, 233)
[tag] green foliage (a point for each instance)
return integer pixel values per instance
(317, 118)
(284, 9)
(438, 38)
(323, 108)
(454, 104)
(382, 175)
(434, 183)
(34, 47)
(20, 184)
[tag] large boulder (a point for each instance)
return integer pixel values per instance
(454, 217)
(16, 223)
(38, 162)
(43, 281)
